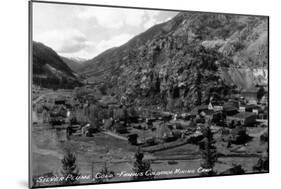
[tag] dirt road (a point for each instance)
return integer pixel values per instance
(115, 135)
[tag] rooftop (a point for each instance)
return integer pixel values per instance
(243, 115)
(251, 90)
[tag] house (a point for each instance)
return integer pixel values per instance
(244, 118)
(249, 108)
(263, 116)
(242, 109)
(216, 106)
(251, 95)
(229, 110)
(256, 111)
(60, 102)
(164, 131)
(233, 103)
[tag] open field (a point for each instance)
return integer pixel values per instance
(92, 152)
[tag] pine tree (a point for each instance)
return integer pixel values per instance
(208, 152)
(260, 93)
(69, 168)
(141, 167)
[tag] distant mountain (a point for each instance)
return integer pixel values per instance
(49, 70)
(186, 60)
(74, 63)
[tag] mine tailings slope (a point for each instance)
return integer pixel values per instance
(245, 78)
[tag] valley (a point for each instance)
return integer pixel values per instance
(187, 94)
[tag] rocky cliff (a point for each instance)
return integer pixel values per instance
(187, 60)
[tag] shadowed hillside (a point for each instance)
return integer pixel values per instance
(49, 70)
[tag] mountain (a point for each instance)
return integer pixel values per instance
(187, 60)
(75, 64)
(109, 61)
(49, 70)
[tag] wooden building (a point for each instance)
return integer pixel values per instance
(251, 95)
(244, 118)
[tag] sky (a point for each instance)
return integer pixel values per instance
(86, 31)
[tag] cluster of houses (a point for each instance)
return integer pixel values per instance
(244, 109)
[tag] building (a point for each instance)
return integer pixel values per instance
(242, 109)
(229, 110)
(163, 130)
(244, 118)
(215, 106)
(251, 95)
(60, 102)
(249, 108)
(233, 103)
(263, 116)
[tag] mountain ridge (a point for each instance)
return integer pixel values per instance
(184, 56)
(49, 70)
(75, 64)
(226, 33)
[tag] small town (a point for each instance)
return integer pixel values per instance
(239, 126)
